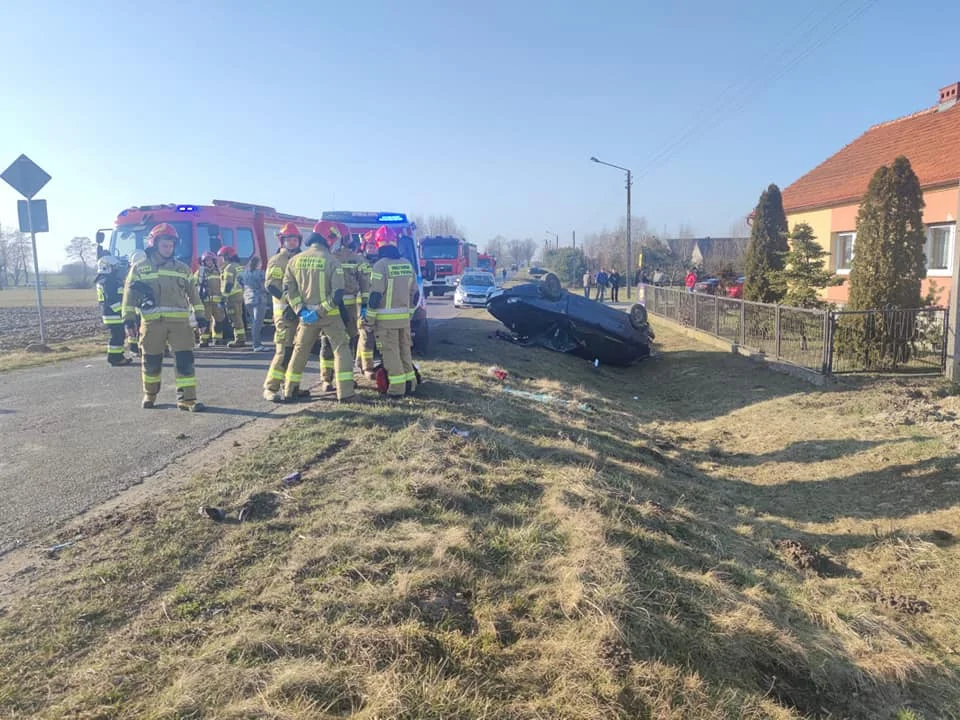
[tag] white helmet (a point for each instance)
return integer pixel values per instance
(107, 263)
(137, 256)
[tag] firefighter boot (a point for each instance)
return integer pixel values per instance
(190, 405)
(240, 342)
(148, 401)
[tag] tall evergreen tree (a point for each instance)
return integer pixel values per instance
(767, 249)
(805, 275)
(889, 261)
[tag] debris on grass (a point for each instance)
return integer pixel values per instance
(60, 546)
(906, 604)
(547, 399)
(497, 372)
(460, 433)
(214, 513)
(805, 558)
(292, 479)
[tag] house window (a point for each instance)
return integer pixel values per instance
(939, 248)
(844, 251)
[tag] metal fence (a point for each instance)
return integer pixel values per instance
(820, 340)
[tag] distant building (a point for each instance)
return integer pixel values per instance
(828, 197)
(708, 251)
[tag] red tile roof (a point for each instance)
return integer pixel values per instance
(930, 139)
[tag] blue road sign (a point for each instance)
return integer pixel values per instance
(38, 212)
(25, 176)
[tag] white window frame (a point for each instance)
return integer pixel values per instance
(951, 245)
(838, 255)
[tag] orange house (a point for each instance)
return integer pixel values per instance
(828, 197)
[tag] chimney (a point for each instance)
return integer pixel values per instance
(949, 96)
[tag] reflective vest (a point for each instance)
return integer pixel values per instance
(172, 289)
(397, 284)
(313, 278)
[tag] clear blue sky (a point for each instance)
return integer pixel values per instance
(488, 112)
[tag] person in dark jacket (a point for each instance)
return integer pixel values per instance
(602, 280)
(111, 273)
(614, 286)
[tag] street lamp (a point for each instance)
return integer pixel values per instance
(556, 236)
(629, 239)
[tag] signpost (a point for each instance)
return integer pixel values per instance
(28, 178)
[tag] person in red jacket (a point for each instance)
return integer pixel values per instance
(691, 280)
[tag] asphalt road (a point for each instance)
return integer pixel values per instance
(74, 436)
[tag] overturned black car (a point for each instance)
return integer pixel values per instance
(543, 313)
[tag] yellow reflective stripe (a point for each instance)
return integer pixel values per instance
(327, 364)
(294, 301)
(172, 315)
(147, 275)
(173, 273)
(345, 375)
(112, 320)
(116, 306)
(185, 382)
(367, 354)
(376, 275)
(276, 273)
(402, 315)
(151, 378)
(349, 301)
(389, 303)
(396, 379)
(294, 377)
(276, 374)
(111, 350)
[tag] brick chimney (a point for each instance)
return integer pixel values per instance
(949, 96)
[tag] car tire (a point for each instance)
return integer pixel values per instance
(550, 287)
(638, 316)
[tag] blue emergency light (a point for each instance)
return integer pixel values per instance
(186, 208)
(392, 218)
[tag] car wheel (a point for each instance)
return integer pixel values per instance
(550, 287)
(638, 316)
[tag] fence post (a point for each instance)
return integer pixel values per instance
(693, 297)
(832, 326)
(827, 342)
(743, 323)
(716, 316)
(776, 331)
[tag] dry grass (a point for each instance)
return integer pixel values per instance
(58, 351)
(52, 297)
(610, 558)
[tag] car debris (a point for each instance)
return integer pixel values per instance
(214, 513)
(460, 433)
(547, 399)
(292, 479)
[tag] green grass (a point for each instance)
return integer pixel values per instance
(618, 561)
(52, 297)
(70, 350)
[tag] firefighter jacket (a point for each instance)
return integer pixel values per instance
(160, 288)
(313, 279)
(354, 277)
(276, 273)
(396, 283)
(228, 277)
(208, 285)
(365, 272)
(110, 297)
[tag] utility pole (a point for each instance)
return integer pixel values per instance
(629, 237)
(574, 239)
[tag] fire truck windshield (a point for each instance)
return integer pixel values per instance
(440, 250)
(127, 239)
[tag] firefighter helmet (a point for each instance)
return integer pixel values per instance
(227, 251)
(367, 245)
(207, 256)
(385, 236)
(289, 230)
(107, 263)
(162, 230)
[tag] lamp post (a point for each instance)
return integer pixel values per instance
(629, 238)
(556, 236)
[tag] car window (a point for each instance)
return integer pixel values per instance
(481, 280)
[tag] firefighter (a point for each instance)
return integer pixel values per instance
(393, 288)
(207, 280)
(285, 320)
(366, 342)
(232, 294)
(110, 277)
(133, 333)
(315, 290)
(161, 288)
(353, 264)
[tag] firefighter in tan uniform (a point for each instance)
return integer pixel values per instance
(393, 288)
(315, 287)
(207, 280)
(367, 341)
(285, 319)
(233, 294)
(161, 288)
(352, 264)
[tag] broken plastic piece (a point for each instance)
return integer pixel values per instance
(596, 362)
(497, 372)
(61, 546)
(292, 479)
(460, 433)
(213, 513)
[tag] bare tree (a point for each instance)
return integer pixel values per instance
(529, 247)
(17, 255)
(497, 247)
(436, 225)
(83, 251)
(686, 232)
(515, 250)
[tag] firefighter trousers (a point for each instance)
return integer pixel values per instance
(283, 336)
(216, 316)
(343, 364)
(154, 337)
(235, 313)
(397, 358)
(366, 344)
(326, 351)
(115, 344)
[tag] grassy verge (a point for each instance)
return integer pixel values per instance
(52, 297)
(690, 538)
(71, 350)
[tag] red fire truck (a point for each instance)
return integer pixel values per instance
(487, 263)
(443, 260)
(250, 229)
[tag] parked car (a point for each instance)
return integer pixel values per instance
(537, 271)
(707, 285)
(474, 289)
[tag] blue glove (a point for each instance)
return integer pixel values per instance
(363, 312)
(308, 316)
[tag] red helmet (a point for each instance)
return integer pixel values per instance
(344, 233)
(289, 230)
(367, 244)
(227, 251)
(162, 230)
(330, 231)
(385, 236)
(207, 256)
